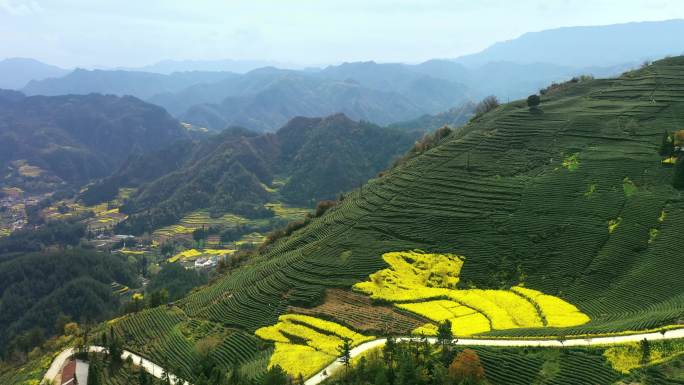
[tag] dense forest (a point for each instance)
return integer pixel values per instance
(42, 291)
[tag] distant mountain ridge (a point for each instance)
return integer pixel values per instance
(264, 99)
(142, 85)
(75, 138)
(168, 67)
(15, 73)
(588, 46)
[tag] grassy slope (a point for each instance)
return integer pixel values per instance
(516, 214)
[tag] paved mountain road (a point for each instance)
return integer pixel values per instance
(60, 360)
(319, 377)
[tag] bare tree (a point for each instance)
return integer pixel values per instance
(487, 104)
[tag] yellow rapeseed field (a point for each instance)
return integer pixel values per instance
(192, 254)
(558, 313)
(299, 359)
(316, 342)
(426, 284)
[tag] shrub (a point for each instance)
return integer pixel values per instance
(667, 147)
(324, 206)
(487, 104)
(533, 101)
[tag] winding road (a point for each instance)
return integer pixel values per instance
(57, 364)
(156, 370)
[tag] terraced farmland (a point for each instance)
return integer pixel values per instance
(526, 196)
(201, 218)
(105, 215)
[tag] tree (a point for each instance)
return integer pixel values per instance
(678, 178)
(407, 372)
(115, 348)
(93, 373)
(159, 297)
(143, 377)
(381, 378)
(667, 147)
(143, 265)
(467, 368)
(167, 249)
(645, 351)
(445, 335)
(533, 101)
(487, 104)
(275, 376)
(345, 353)
(388, 351)
(72, 329)
(61, 321)
(200, 234)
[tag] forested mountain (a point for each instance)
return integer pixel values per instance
(38, 289)
(564, 211)
(318, 158)
(74, 138)
(266, 99)
(142, 85)
(15, 73)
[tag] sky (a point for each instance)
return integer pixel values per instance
(130, 33)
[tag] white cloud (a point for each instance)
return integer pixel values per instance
(19, 7)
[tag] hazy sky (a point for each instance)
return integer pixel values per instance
(137, 32)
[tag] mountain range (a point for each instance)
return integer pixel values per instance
(75, 138)
(552, 220)
(264, 99)
(316, 159)
(15, 73)
(588, 46)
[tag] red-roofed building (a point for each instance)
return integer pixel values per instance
(69, 374)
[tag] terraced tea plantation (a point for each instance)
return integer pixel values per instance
(565, 210)
(578, 366)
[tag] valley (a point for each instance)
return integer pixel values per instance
(456, 211)
(563, 203)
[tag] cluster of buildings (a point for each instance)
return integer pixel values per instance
(13, 213)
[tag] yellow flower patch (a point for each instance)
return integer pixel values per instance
(426, 284)
(306, 344)
(558, 313)
(439, 311)
(192, 254)
(299, 359)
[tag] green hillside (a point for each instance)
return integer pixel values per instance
(569, 199)
(238, 171)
